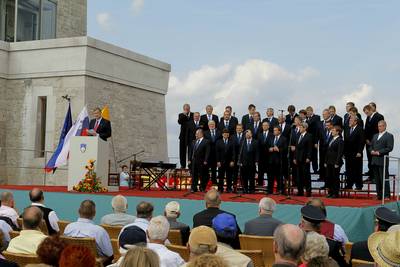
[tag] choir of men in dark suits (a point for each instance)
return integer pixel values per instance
(334, 161)
(199, 152)
(225, 151)
(183, 119)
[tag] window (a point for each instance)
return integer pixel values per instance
(28, 20)
(41, 126)
(49, 10)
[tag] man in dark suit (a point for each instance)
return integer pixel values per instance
(277, 152)
(212, 134)
(271, 119)
(249, 156)
(381, 145)
(313, 121)
(336, 119)
(286, 132)
(237, 139)
(350, 107)
(199, 153)
(232, 116)
(294, 137)
(292, 114)
(264, 142)
(183, 119)
(256, 126)
(248, 118)
(302, 159)
(227, 122)
(334, 161)
(99, 126)
(325, 136)
(264, 224)
(206, 118)
(225, 149)
(354, 112)
(353, 153)
(286, 127)
(371, 128)
(192, 127)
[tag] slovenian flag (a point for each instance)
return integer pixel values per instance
(79, 128)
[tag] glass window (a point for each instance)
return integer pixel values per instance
(48, 17)
(9, 22)
(28, 20)
(2, 18)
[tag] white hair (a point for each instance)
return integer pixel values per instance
(172, 209)
(267, 204)
(158, 228)
(119, 203)
(316, 246)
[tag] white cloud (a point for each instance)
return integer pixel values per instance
(361, 95)
(103, 19)
(137, 6)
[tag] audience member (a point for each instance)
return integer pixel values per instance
(119, 204)
(289, 244)
(77, 256)
(6, 263)
(224, 225)
(172, 212)
(7, 209)
(49, 251)
(50, 217)
(5, 228)
(316, 247)
(208, 260)
(85, 227)
(384, 248)
(265, 224)
(202, 240)
(322, 262)
(157, 233)
(144, 213)
(30, 237)
(141, 256)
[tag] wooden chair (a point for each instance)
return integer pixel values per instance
(112, 230)
(21, 259)
(19, 222)
(175, 237)
(181, 250)
(115, 246)
(82, 241)
(256, 257)
(263, 243)
(347, 249)
(62, 224)
(14, 234)
(355, 263)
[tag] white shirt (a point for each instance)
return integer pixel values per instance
(139, 222)
(87, 228)
(6, 229)
(339, 234)
(380, 134)
(10, 213)
(123, 179)
(168, 258)
(53, 219)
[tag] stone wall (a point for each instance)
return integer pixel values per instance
(2, 130)
(71, 18)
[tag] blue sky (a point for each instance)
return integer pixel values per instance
(272, 53)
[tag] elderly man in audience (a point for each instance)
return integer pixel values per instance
(289, 244)
(85, 227)
(224, 225)
(144, 213)
(213, 201)
(157, 232)
(6, 229)
(172, 212)
(316, 249)
(384, 219)
(119, 205)
(7, 209)
(264, 224)
(49, 216)
(30, 237)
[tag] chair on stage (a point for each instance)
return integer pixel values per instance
(112, 230)
(263, 243)
(256, 257)
(181, 250)
(21, 259)
(175, 237)
(62, 224)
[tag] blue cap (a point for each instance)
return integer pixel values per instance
(224, 225)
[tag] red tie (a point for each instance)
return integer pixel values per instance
(96, 125)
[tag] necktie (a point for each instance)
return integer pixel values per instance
(276, 140)
(330, 143)
(96, 125)
(197, 123)
(351, 130)
(301, 137)
(265, 136)
(197, 144)
(226, 124)
(213, 135)
(226, 142)
(209, 117)
(248, 145)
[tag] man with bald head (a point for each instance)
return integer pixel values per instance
(289, 244)
(49, 216)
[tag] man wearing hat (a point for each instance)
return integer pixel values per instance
(385, 249)
(224, 225)
(385, 218)
(172, 212)
(311, 220)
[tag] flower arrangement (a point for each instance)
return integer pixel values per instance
(90, 183)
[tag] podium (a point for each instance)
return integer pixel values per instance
(83, 149)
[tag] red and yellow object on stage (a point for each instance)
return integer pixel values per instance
(90, 184)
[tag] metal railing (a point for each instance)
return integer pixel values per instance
(387, 159)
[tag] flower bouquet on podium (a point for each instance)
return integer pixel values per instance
(90, 183)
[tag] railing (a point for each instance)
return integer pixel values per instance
(396, 177)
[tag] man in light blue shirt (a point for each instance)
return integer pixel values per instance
(85, 227)
(119, 217)
(144, 213)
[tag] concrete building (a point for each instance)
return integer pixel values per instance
(34, 75)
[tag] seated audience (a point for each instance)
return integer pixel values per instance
(131, 237)
(49, 251)
(202, 241)
(85, 227)
(213, 201)
(49, 216)
(384, 219)
(7, 209)
(316, 249)
(30, 237)
(157, 232)
(77, 256)
(172, 212)
(5, 228)
(208, 260)
(144, 213)
(322, 262)
(329, 229)
(141, 256)
(224, 225)
(119, 205)
(289, 244)
(264, 224)
(385, 248)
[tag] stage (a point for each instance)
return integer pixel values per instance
(355, 215)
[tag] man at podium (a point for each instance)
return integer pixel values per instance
(99, 126)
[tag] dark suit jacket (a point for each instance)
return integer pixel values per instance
(213, 142)
(272, 123)
(354, 142)
(201, 154)
(384, 146)
(225, 153)
(346, 120)
(237, 142)
(246, 120)
(276, 157)
(104, 128)
(255, 132)
(371, 125)
(313, 127)
(191, 129)
(303, 148)
(337, 120)
(295, 136)
(231, 126)
(286, 130)
(264, 225)
(183, 122)
(204, 121)
(249, 155)
(264, 145)
(334, 153)
(360, 251)
(324, 139)
(289, 119)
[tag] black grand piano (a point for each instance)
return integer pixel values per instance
(154, 169)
